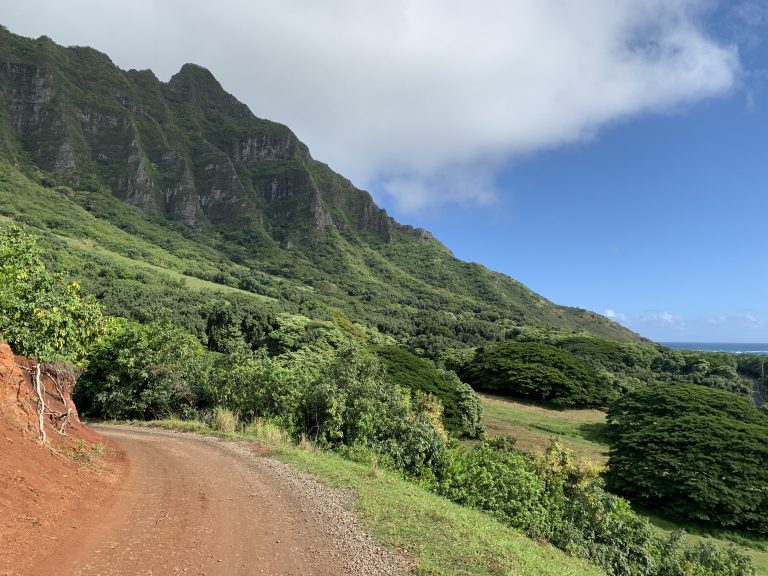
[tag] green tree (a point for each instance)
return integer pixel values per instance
(145, 371)
(537, 371)
(42, 315)
(698, 453)
(463, 409)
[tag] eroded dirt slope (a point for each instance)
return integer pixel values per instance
(46, 490)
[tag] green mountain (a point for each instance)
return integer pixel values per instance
(144, 186)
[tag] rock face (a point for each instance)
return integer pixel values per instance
(184, 150)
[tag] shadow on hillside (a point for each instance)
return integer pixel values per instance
(598, 432)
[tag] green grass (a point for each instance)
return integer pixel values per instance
(535, 426)
(442, 538)
(189, 281)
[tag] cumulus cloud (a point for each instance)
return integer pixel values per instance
(654, 320)
(426, 98)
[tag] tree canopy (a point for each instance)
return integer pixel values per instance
(537, 371)
(696, 452)
(41, 314)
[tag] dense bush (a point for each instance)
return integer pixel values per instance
(462, 406)
(556, 498)
(537, 371)
(145, 371)
(42, 315)
(501, 481)
(698, 453)
(352, 402)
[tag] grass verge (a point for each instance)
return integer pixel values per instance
(442, 537)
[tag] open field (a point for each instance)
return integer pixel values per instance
(534, 426)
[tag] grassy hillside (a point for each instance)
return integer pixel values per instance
(132, 173)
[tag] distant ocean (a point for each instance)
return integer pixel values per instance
(732, 347)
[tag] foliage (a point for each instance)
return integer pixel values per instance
(537, 371)
(557, 498)
(703, 558)
(752, 365)
(42, 315)
(462, 406)
(352, 402)
(698, 453)
(494, 478)
(625, 366)
(144, 371)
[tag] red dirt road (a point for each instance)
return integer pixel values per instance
(194, 506)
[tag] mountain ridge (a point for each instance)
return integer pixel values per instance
(187, 153)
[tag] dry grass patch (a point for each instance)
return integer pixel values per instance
(535, 426)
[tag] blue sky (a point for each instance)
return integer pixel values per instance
(610, 154)
(660, 220)
(657, 221)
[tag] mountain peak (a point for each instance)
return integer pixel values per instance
(190, 152)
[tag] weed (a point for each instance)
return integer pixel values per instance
(224, 420)
(265, 431)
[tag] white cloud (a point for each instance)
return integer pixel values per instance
(662, 325)
(420, 96)
(609, 313)
(659, 325)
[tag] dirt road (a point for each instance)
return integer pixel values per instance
(195, 506)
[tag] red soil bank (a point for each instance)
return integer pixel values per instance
(46, 490)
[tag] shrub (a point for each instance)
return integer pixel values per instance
(462, 407)
(41, 314)
(351, 401)
(144, 372)
(555, 497)
(703, 558)
(494, 478)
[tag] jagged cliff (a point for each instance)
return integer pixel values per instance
(195, 160)
(185, 149)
